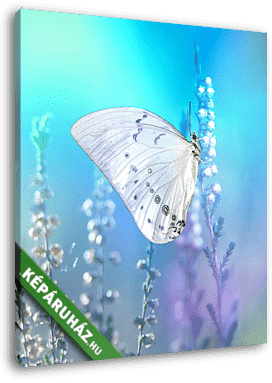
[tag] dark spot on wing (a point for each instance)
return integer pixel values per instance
(136, 181)
(158, 137)
(149, 220)
(165, 210)
(178, 228)
(136, 134)
(157, 199)
(142, 207)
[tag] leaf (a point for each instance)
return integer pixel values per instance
(224, 276)
(209, 256)
(234, 307)
(231, 333)
(197, 323)
(232, 246)
(218, 227)
(215, 205)
(213, 316)
(221, 221)
(228, 254)
(212, 313)
(205, 344)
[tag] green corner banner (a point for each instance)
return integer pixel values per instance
(64, 312)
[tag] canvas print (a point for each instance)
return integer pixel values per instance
(141, 188)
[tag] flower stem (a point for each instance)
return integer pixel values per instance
(215, 261)
(146, 293)
(51, 325)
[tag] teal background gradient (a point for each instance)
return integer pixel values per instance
(72, 65)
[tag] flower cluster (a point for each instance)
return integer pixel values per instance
(152, 304)
(99, 210)
(206, 117)
(47, 256)
(211, 197)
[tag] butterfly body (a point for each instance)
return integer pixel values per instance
(148, 162)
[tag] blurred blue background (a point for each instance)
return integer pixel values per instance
(72, 65)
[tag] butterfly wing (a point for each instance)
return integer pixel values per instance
(148, 162)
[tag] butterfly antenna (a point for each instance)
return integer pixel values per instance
(189, 119)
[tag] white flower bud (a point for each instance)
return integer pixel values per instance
(210, 92)
(211, 125)
(212, 153)
(208, 81)
(208, 172)
(38, 200)
(92, 236)
(35, 232)
(202, 113)
(141, 264)
(56, 250)
(214, 169)
(89, 256)
(87, 278)
(100, 240)
(212, 142)
(84, 299)
(87, 207)
(216, 188)
(211, 198)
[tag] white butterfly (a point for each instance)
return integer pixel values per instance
(150, 164)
